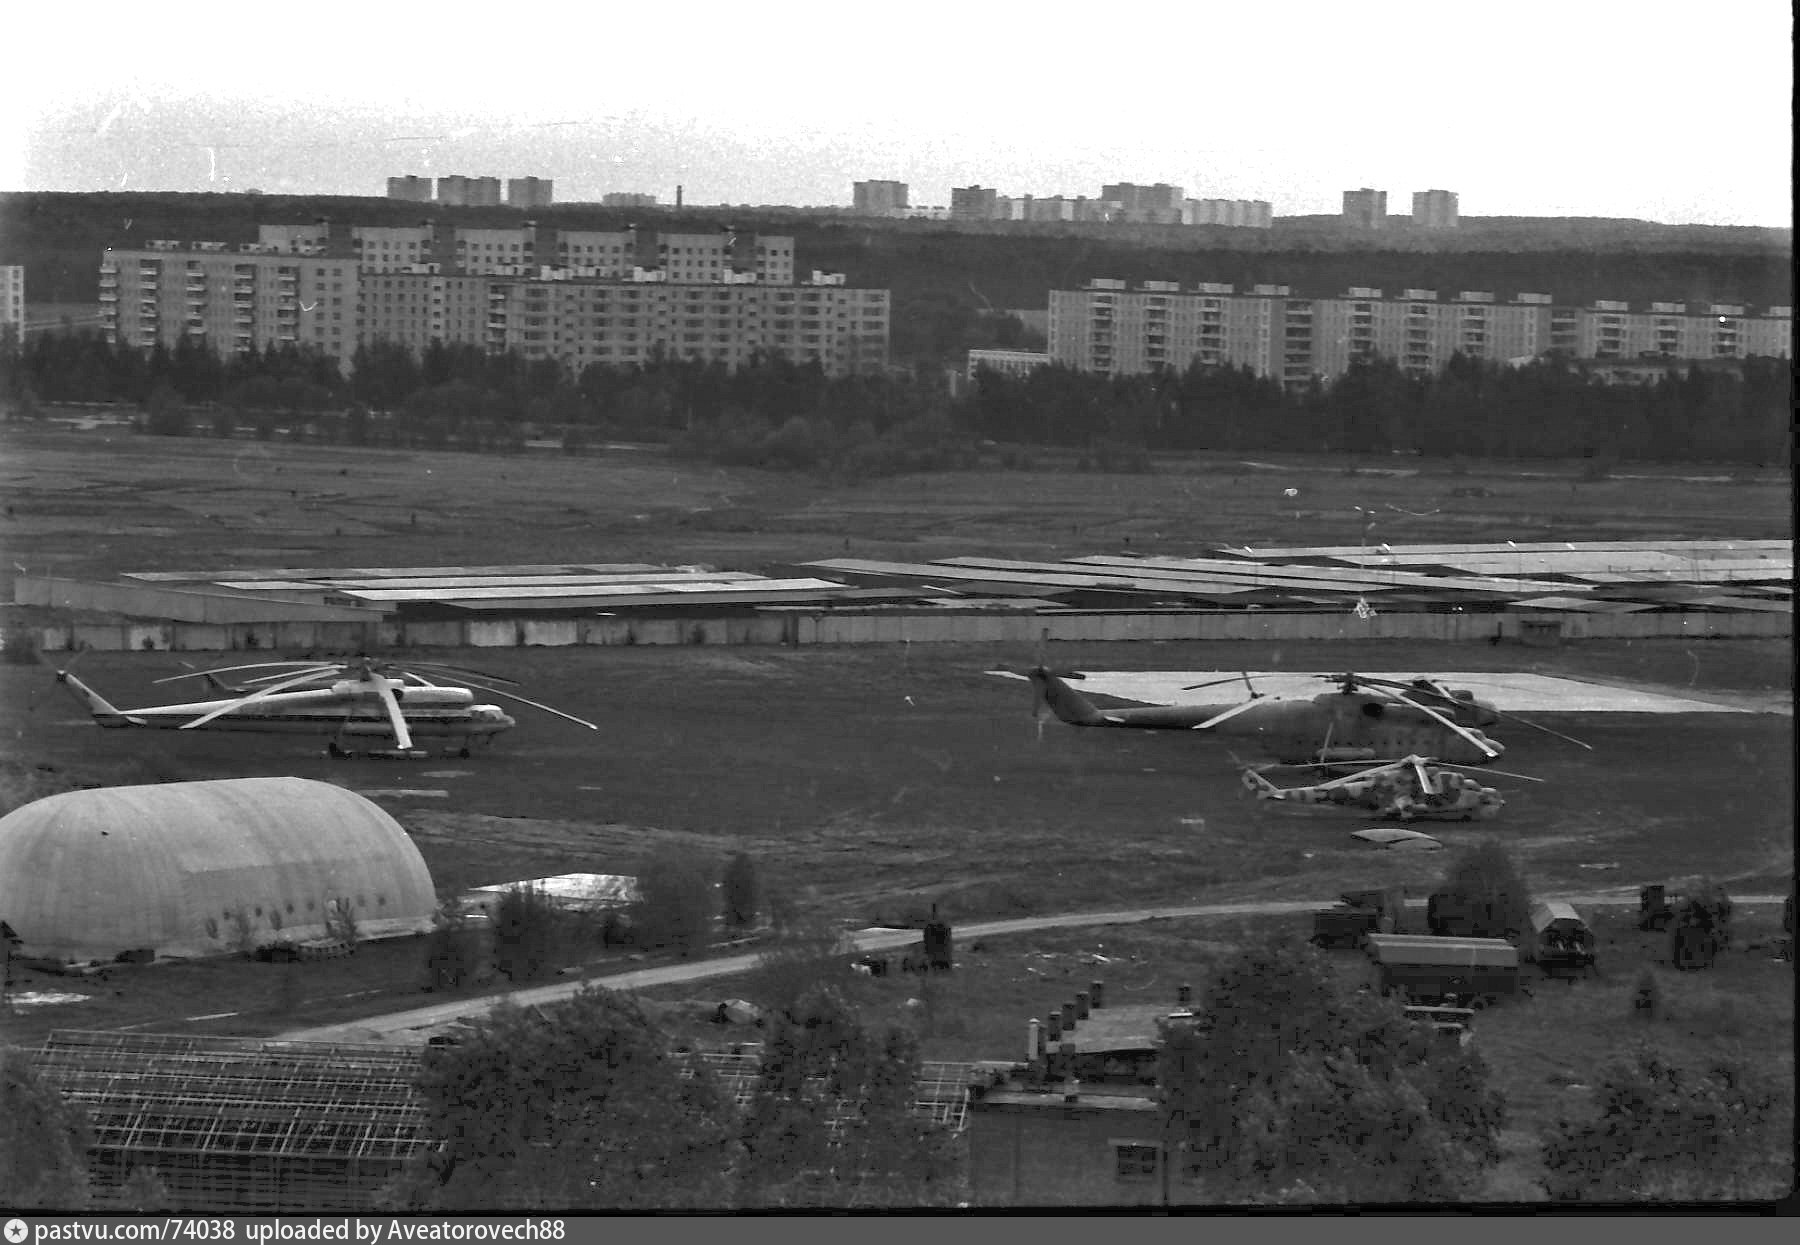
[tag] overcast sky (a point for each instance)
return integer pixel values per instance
(1651, 109)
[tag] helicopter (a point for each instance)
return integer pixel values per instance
(1365, 719)
(365, 707)
(1414, 788)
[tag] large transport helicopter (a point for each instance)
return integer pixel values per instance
(359, 706)
(1364, 720)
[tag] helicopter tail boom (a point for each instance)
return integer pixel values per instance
(105, 712)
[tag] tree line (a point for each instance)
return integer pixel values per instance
(779, 414)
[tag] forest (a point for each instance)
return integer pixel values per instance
(778, 414)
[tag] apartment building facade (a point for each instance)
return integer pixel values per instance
(879, 198)
(1242, 213)
(529, 192)
(1365, 208)
(12, 296)
(1434, 209)
(409, 188)
(459, 191)
(1109, 327)
(578, 296)
(233, 300)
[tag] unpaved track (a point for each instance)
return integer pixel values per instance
(416, 1025)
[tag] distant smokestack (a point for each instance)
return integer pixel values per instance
(678, 196)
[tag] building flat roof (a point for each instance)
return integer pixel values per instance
(675, 591)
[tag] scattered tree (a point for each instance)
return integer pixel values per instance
(831, 1122)
(527, 935)
(676, 901)
(43, 1142)
(1660, 1131)
(571, 1106)
(1485, 893)
(740, 891)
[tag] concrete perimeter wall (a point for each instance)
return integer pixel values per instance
(796, 628)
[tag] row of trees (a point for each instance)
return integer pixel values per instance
(782, 415)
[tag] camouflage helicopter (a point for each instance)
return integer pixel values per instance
(1414, 788)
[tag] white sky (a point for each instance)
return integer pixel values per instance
(1657, 110)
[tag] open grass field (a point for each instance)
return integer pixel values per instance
(97, 502)
(869, 782)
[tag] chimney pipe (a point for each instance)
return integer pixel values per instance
(1032, 1040)
(1056, 1026)
(1081, 1004)
(1069, 1017)
(1184, 995)
(1095, 989)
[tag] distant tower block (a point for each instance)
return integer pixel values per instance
(1365, 208)
(1434, 209)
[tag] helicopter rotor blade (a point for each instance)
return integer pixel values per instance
(1484, 770)
(1194, 687)
(536, 705)
(1225, 716)
(462, 672)
(260, 665)
(1442, 720)
(1510, 717)
(232, 706)
(402, 737)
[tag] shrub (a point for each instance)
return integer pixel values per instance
(453, 954)
(1485, 888)
(739, 891)
(676, 901)
(1662, 1131)
(527, 937)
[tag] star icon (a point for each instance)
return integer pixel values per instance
(16, 1231)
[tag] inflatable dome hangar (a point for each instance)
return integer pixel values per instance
(206, 868)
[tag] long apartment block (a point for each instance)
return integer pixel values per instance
(1108, 327)
(577, 296)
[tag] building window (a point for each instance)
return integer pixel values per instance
(1134, 1162)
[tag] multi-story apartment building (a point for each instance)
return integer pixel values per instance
(1244, 213)
(580, 322)
(1160, 204)
(459, 191)
(1365, 208)
(529, 192)
(974, 203)
(412, 189)
(12, 297)
(231, 299)
(879, 198)
(1434, 209)
(626, 198)
(578, 296)
(1107, 327)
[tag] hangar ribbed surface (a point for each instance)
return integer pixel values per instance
(206, 868)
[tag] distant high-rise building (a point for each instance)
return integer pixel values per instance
(458, 191)
(879, 198)
(973, 203)
(528, 192)
(1434, 209)
(12, 296)
(412, 189)
(627, 198)
(1159, 204)
(1365, 208)
(1244, 213)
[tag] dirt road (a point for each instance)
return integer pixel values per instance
(419, 1023)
